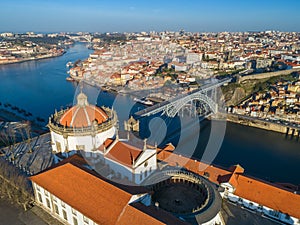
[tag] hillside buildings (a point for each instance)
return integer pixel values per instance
(143, 61)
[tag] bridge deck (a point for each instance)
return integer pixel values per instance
(163, 105)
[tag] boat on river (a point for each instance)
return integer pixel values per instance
(70, 79)
(145, 102)
(69, 64)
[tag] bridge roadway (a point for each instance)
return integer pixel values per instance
(163, 105)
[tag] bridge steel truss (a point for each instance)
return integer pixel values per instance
(172, 107)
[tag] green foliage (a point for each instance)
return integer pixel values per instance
(116, 37)
(264, 84)
(168, 83)
(230, 87)
(47, 42)
(252, 86)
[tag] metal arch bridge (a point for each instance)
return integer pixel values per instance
(172, 106)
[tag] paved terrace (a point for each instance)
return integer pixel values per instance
(32, 157)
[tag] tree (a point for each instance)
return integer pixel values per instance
(168, 83)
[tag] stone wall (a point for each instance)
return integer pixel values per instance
(263, 124)
(267, 75)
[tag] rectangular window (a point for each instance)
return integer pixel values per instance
(38, 187)
(85, 220)
(80, 147)
(276, 213)
(48, 203)
(46, 193)
(75, 222)
(74, 212)
(58, 146)
(56, 209)
(40, 198)
(65, 216)
(63, 204)
(54, 199)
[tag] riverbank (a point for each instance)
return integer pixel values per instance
(263, 124)
(33, 58)
(7, 116)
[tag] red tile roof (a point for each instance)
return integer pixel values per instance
(133, 216)
(105, 144)
(261, 192)
(195, 166)
(268, 195)
(138, 213)
(97, 199)
(79, 116)
(124, 153)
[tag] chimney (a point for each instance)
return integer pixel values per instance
(145, 144)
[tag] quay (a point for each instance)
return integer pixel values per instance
(47, 56)
(288, 129)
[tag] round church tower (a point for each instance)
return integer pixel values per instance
(82, 127)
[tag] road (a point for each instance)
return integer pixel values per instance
(235, 215)
(11, 214)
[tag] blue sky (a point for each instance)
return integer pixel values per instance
(141, 15)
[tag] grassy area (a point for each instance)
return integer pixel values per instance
(221, 74)
(264, 84)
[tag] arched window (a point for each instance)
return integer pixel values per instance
(206, 174)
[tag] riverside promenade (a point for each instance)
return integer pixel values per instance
(288, 129)
(12, 214)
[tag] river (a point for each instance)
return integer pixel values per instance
(40, 87)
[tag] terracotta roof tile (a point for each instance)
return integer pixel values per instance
(249, 188)
(124, 153)
(79, 116)
(133, 216)
(137, 213)
(106, 144)
(193, 165)
(159, 214)
(268, 195)
(97, 199)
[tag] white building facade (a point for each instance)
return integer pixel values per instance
(59, 209)
(82, 127)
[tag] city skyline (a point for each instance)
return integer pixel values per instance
(134, 16)
(163, 112)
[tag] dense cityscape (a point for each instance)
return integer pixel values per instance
(162, 126)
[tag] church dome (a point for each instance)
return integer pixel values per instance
(83, 114)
